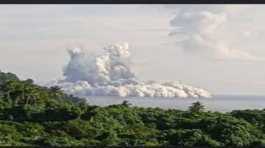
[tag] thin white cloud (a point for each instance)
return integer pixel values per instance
(199, 30)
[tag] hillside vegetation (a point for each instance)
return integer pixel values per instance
(31, 115)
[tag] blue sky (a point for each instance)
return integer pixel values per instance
(34, 39)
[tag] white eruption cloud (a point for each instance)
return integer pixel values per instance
(112, 66)
(109, 74)
(198, 30)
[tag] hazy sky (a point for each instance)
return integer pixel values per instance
(219, 48)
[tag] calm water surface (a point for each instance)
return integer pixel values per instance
(223, 103)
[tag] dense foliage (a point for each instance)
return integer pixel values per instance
(31, 115)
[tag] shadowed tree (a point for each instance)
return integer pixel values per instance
(56, 91)
(126, 103)
(196, 107)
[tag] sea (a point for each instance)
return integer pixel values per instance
(221, 103)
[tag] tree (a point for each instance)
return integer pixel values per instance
(5, 77)
(44, 117)
(196, 107)
(126, 103)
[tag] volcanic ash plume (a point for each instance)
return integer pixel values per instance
(109, 74)
(199, 29)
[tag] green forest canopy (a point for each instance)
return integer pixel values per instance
(32, 115)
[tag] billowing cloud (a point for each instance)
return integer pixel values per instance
(199, 30)
(109, 74)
